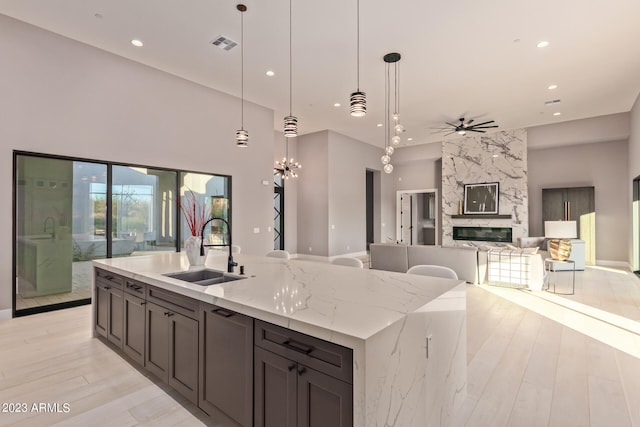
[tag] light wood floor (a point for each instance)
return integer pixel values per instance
(528, 363)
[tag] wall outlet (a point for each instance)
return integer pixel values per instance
(268, 229)
(256, 230)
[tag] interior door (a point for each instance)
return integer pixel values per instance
(406, 220)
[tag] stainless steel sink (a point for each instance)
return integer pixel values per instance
(204, 277)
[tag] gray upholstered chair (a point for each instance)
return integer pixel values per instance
(279, 254)
(433, 271)
(348, 261)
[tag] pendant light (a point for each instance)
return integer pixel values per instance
(358, 99)
(242, 136)
(290, 121)
(398, 127)
(390, 58)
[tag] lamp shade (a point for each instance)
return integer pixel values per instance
(560, 229)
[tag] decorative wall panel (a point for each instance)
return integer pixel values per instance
(498, 157)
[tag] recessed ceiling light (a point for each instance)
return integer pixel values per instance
(409, 139)
(137, 43)
(552, 87)
(543, 44)
(557, 113)
(270, 73)
(337, 104)
(495, 155)
(379, 125)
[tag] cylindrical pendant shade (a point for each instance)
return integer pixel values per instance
(358, 103)
(290, 126)
(242, 138)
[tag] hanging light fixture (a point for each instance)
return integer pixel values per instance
(398, 127)
(287, 167)
(290, 121)
(242, 136)
(390, 58)
(358, 99)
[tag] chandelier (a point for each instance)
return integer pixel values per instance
(287, 166)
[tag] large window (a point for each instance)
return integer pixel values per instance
(68, 212)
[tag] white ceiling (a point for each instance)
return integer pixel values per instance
(471, 58)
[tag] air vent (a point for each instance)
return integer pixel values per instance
(224, 43)
(552, 102)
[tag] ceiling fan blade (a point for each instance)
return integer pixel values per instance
(483, 123)
(451, 124)
(469, 122)
(476, 130)
(483, 127)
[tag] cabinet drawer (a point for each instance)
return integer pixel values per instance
(134, 287)
(329, 358)
(109, 278)
(178, 303)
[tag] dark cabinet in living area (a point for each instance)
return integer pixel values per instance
(575, 204)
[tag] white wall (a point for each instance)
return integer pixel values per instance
(602, 165)
(66, 98)
(331, 194)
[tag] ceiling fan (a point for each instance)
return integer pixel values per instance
(467, 126)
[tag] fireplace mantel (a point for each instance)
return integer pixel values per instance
(481, 216)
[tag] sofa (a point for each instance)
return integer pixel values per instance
(398, 257)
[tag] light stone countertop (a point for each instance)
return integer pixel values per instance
(307, 296)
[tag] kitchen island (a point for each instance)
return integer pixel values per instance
(407, 333)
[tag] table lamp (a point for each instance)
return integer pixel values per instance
(560, 232)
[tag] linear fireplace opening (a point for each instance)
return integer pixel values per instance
(485, 234)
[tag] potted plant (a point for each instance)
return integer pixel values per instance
(196, 212)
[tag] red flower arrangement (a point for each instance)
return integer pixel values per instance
(195, 212)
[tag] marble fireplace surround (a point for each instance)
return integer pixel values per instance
(498, 157)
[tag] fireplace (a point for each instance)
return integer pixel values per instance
(484, 234)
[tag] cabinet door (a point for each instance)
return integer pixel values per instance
(116, 317)
(102, 310)
(157, 341)
(323, 400)
(134, 327)
(226, 363)
(183, 355)
(275, 390)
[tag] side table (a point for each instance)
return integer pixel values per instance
(550, 268)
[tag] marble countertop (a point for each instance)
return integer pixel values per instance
(340, 304)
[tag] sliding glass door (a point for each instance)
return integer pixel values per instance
(58, 226)
(69, 212)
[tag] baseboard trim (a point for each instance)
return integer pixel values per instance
(6, 314)
(608, 263)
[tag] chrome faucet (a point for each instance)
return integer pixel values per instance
(230, 263)
(53, 226)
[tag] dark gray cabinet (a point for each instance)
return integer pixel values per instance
(172, 341)
(300, 380)
(134, 328)
(226, 363)
(133, 341)
(109, 306)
